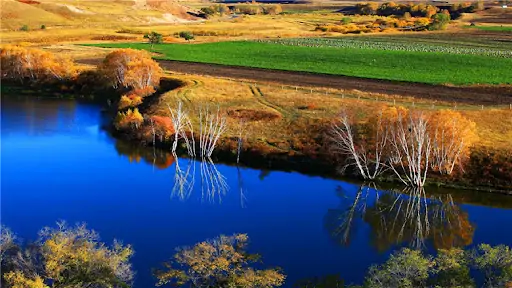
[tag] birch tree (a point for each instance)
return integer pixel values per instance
(411, 146)
(366, 154)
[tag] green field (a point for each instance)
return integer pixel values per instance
(412, 66)
(492, 28)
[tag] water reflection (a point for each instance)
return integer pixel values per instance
(213, 184)
(41, 117)
(409, 216)
(155, 157)
(184, 180)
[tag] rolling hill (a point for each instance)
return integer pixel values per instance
(72, 13)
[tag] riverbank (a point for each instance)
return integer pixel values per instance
(283, 128)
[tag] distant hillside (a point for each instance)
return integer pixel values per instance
(34, 13)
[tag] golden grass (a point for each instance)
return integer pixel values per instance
(134, 23)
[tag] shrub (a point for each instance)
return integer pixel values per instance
(346, 20)
(272, 9)
(43, 27)
(221, 9)
(24, 28)
(134, 97)
(208, 11)
(439, 21)
(187, 35)
(367, 8)
(249, 9)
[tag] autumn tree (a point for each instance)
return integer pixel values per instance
(439, 21)
(131, 119)
(20, 63)
(496, 263)
(406, 268)
(162, 127)
(450, 268)
(369, 8)
(134, 97)
(452, 135)
(130, 68)
(221, 262)
(69, 257)
(409, 143)
(364, 144)
(410, 147)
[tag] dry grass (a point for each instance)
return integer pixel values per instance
(85, 14)
(68, 26)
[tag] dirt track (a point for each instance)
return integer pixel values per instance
(481, 95)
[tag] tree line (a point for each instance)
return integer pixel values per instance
(69, 257)
(407, 143)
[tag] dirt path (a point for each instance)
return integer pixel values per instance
(481, 95)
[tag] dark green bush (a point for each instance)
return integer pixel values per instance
(187, 35)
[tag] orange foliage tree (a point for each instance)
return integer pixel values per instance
(134, 97)
(162, 126)
(21, 63)
(131, 69)
(452, 135)
(410, 143)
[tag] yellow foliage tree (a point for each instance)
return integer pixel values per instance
(68, 257)
(452, 136)
(222, 262)
(131, 69)
(129, 119)
(21, 63)
(16, 279)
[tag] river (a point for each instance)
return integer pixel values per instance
(58, 164)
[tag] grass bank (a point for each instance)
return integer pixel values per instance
(285, 128)
(422, 67)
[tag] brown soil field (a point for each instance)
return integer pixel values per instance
(478, 95)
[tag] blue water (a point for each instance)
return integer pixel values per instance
(57, 164)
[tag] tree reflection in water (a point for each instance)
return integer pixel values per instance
(213, 184)
(408, 216)
(157, 158)
(184, 180)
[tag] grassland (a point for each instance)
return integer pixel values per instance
(422, 67)
(492, 28)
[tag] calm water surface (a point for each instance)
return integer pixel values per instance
(58, 164)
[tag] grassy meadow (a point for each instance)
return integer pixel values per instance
(413, 66)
